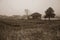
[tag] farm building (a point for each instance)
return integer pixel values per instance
(36, 15)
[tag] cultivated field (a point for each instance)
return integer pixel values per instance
(16, 29)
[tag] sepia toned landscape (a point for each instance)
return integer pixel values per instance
(29, 20)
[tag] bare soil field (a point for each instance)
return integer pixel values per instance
(15, 29)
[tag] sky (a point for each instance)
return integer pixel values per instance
(17, 7)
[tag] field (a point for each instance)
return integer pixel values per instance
(17, 29)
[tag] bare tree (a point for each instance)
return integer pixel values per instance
(26, 10)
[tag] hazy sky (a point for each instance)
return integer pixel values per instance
(17, 7)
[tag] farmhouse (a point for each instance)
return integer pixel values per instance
(36, 15)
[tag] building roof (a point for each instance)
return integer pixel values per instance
(36, 14)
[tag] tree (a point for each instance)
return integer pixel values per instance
(27, 11)
(49, 13)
